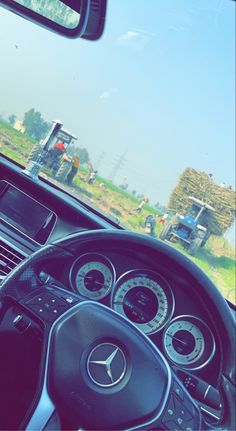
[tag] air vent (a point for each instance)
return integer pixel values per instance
(9, 258)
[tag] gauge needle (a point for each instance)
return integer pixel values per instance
(89, 277)
(178, 339)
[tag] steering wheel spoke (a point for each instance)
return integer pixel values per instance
(181, 412)
(100, 362)
(42, 414)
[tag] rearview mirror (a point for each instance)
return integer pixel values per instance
(71, 18)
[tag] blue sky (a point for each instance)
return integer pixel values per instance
(159, 87)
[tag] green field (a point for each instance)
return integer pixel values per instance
(217, 258)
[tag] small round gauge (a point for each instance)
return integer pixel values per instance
(189, 342)
(92, 276)
(145, 298)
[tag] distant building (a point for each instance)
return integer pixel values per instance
(19, 126)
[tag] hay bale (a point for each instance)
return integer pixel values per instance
(201, 186)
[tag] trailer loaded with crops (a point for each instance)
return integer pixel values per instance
(201, 208)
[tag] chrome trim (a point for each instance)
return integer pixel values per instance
(107, 364)
(209, 413)
(210, 332)
(45, 399)
(172, 307)
(169, 375)
(42, 413)
(206, 391)
(108, 262)
(38, 202)
(14, 248)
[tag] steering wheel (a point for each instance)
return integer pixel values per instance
(100, 371)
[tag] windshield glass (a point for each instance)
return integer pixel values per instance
(148, 120)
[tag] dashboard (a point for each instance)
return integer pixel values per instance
(161, 303)
(26, 214)
(160, 300)
(146, 298)
(33, 213)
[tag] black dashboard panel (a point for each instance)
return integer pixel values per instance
(145, 290)
(61, 215)
(95, 273)
(73, 215)
(26, 214)
(176, 301)
(72, 211)
(90, 270)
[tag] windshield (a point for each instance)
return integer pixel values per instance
(148, 120)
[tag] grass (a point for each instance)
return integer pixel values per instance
(216, 259)
(14, 144)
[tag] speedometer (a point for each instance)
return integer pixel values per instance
(188, 342)
(92, 276)
(145, 298)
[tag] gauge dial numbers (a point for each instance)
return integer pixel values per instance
(188, 342)
(144, 298)
(92, 276)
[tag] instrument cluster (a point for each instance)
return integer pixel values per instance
(146, 299)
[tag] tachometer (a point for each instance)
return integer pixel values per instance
(145, 298)
(188, 342)
(92, 276)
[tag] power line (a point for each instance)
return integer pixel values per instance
(118, 165)
(99, 160)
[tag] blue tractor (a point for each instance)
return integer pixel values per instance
(191, 229)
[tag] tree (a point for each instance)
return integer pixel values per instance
(12, 119)
(160, 207)
(82, 153)
(34, 124)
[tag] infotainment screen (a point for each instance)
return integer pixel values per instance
(22, 212)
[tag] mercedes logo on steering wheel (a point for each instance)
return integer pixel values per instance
(106, 365)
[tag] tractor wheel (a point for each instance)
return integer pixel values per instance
(166, 232)
(63, 171)
(194, 246)
(36, 151)
(205, 239)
